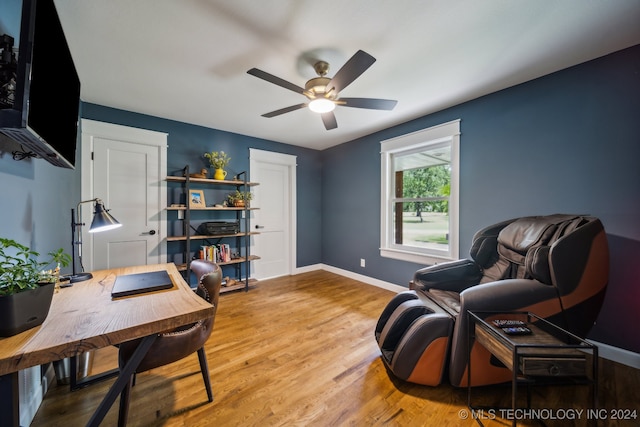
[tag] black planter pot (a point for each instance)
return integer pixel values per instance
(24, 310)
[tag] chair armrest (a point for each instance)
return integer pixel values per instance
(502, 295)
(449, 276)
(510, 295)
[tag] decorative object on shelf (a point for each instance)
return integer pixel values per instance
(26, 290)
(202, 174)
(196, 199)
(218, 160)
(239, 199)
(220, 174)
(102, 221)
(228, 281)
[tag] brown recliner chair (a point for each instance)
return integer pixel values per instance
(555, 266)
(179, 343)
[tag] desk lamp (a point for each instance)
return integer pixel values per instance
(102, 221)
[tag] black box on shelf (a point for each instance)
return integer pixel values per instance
(214, 228)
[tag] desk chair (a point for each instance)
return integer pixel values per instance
(179, 343)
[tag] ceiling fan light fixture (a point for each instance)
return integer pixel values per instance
(322, 105)
(323, 92)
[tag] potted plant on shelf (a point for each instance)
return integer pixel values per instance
(218, 160)
(26, 290)
(239, 199)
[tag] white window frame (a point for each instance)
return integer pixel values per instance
(449, 131)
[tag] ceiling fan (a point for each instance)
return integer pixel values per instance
(323, 92)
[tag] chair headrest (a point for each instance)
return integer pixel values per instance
(525, 233)
(528, 232)
(520, 247)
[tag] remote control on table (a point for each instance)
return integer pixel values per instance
(508, 323)
(517, 330)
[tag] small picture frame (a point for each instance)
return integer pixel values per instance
(196, 199)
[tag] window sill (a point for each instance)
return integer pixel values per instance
(415, 257)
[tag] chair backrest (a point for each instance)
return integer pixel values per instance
(209, 283)
(517, 249)
(568, 252)
(206, 289)
(176, 344)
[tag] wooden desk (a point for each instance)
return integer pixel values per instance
(84, 317)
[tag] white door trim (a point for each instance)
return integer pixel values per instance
(289, 161)
(92, 129)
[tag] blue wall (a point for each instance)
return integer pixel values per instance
(567, 142)
(187, 144)
(36, 201)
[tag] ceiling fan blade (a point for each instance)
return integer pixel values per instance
(284, 110)
(329, 120)
(275, 80)
(350, 71)
(370, 103)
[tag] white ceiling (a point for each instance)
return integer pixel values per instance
(187, 60)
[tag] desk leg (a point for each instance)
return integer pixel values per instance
(77, 384)
(9, 400)
(123, 379)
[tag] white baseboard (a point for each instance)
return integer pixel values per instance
(308, 268)
(617, 354)
(605, 351)
(355, 276)
(366, 279)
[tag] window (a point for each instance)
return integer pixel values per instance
(420, 189)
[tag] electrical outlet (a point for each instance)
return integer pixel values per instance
(362, 263)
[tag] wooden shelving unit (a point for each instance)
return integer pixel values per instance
(211, 208)
(211, 181)
(241, 238)
(203, 237)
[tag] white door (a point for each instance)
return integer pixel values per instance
(275, 219)
(127, 167)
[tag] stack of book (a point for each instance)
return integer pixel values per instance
(216, 253)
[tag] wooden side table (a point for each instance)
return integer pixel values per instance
(549, 354)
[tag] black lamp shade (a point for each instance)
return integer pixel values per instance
(102, 220)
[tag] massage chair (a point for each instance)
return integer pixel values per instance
(554, 266)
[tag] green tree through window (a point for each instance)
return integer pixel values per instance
(434, 181)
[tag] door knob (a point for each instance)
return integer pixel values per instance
(151, 232)
(259, 226)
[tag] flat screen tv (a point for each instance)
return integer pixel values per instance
(44, 115)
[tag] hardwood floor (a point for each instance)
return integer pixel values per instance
(300, 351)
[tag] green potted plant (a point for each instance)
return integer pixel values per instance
(26, 289)
(218, 160)
(239, 199)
